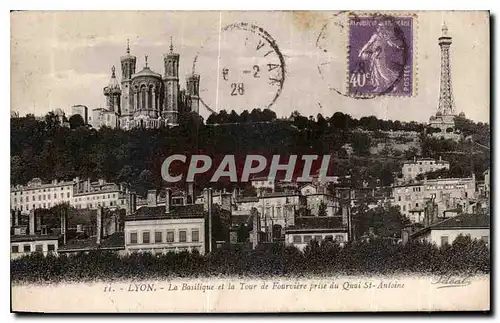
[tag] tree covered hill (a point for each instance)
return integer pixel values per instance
(45, 149)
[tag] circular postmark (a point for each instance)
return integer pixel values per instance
(364, 56)
(242, 69)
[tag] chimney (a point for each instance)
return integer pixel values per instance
(152, 198)
(256, 227)
(190, 193)
(209, 207)
(168, 198)
(63, 217)
(132, 202)
(32, 222)
(16, 217)
(344, 217)
(99, 225)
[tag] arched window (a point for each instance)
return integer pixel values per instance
(143, 98)
(150, 98)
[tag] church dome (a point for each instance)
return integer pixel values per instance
(146, 71)
(113, 82)
(461, 114)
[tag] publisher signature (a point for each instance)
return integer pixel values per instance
(453, 280)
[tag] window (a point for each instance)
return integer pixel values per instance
(55, 195)
(15, 249)
(158, 236)
(444, 240)
(27, 198)
(307, 239)
(318, 238)
(39, 248)
(62, 195)
(339, 238)
(67, 195)
(170, 236)
(27, 248)
(182, 236)
(297, 239)
(133, 237)
(195, 236)
(145, 237)
(404, 207)
(399, 198)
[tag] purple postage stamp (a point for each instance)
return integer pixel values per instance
(380, 56)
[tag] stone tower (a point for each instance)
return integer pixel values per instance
(171, 86)
(112, 93)
(193, 90)
(128, 69)
(446, 102)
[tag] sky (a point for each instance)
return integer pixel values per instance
(60, 59)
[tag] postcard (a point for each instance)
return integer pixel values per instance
(250, 161)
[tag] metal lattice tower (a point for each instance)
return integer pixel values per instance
(446, 102)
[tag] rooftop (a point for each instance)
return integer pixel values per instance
(463, 221)
(317, 222)
(114, 241)
(35, 237)
(176, 212)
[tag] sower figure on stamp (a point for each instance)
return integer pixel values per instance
(376, 52)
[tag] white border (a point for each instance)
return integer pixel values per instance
(494, 6)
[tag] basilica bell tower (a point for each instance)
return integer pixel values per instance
(170, 109)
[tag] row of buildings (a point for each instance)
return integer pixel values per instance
(176, 220)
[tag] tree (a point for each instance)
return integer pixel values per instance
(322, 209)
(385, 222)
(76, 121)
(361, 143)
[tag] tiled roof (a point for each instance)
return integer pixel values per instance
(463, 221)
(246, 199)
(158, 212)
(114, 241)
(27, 237)
(317, 222)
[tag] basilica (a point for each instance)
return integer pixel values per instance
(146, 99)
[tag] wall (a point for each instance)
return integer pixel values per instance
(32, 245)
(434, 236)
(337, 236)
(164, 225)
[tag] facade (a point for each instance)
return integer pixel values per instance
(21, 245)
(263, 183)
(275, 209)
(146, 99)
(93, 195)
(160, 229)
(82, 110)
(412, 168)
(446, 193)
(77, 193)
(307, 229)
(37, 195)
(477, 226)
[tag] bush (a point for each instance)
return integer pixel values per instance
(273, 259)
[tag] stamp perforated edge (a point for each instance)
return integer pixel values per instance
(414, 17)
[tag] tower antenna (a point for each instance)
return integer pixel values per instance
(171, 45)
(128, 46)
